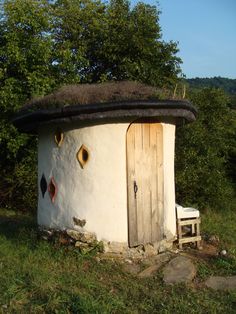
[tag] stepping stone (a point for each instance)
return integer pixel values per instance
(221, 283)
(149, 271)
(154, 263)
(159, 259)
(179, 270)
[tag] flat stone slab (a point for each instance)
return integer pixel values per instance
(179, 270)
(149, 271)
(86, 237)
(153, 264)
(221, 283)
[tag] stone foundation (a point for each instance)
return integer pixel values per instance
(87, 241)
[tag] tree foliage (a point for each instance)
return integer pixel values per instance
(45, 44)
(228, 85)
(25, 52)
(203, 150)
(99, 42)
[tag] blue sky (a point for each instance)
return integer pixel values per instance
(206, 32)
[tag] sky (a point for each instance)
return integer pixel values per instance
(206, 33)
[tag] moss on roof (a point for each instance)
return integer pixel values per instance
(84, 94)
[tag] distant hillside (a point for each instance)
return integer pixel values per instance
(228, 85)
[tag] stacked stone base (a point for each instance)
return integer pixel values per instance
(87, 241)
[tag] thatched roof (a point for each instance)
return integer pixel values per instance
(101, 101)
(85, 94)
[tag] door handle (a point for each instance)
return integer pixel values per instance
(135, 189)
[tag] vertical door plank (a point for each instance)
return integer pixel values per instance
(132, 208)
(154, 205)
(160, 181)
(146, 136)
(139, 159)
(145, 175)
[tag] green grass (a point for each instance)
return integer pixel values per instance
(222, 224)
(39, 277)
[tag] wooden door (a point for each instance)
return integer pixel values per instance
(145, 182)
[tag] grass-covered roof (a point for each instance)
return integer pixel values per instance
(92, 102)
(85, 94)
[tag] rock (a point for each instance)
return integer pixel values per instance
(163, 258)
(223, 253)
(64, 239)
(221, 283)
(73, 234)
(139, 249)
(179, 270)
(149, 250)
(135, 253)
(115, 247)
(158, 259)
(86, 237)
(48, 232)
(214, 239)
(45, 234)
(161, 249)
(149, 272)
(79, 222)
(165, 245)
(81, 245)
(128, 261)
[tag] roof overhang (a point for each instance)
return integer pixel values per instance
(181, 110)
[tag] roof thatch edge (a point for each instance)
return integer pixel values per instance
(29, 121)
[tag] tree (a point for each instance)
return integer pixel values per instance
(202, 152)
(99, 42)
(45, 44)
(25, 71)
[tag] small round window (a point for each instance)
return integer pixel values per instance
(58, 137)
(82, 156)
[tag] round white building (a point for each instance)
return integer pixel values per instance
(106, 160)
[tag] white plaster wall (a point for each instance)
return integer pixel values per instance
(96, 193)
(169, 180)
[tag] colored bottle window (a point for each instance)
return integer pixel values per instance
(43, 185)
(52, 189)
(59, 136)
(82, 156)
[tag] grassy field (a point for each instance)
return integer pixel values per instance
(41, 277)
